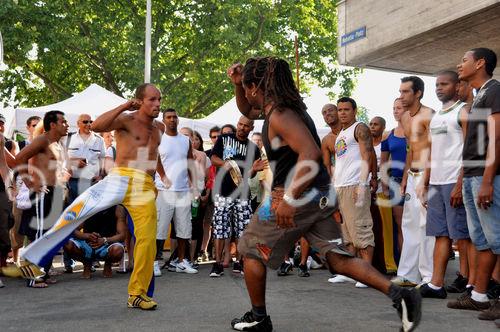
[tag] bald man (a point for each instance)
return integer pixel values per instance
(232, 203)
(331, 117)
(86, 152)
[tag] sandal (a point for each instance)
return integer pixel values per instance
(31, 283)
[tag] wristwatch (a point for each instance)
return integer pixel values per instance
(105, 241)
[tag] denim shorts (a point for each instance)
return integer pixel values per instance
(90, 253)
(484, 227)
(442, 218)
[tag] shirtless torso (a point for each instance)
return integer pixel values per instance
(416, 130)
(137, 133)
(43, 159)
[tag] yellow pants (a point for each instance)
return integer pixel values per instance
(132, 188)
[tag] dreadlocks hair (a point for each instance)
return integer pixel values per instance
(273, 76)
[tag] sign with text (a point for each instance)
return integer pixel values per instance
(353, 36)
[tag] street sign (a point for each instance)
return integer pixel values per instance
(353, 36)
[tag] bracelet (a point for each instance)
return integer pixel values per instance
(289, 200)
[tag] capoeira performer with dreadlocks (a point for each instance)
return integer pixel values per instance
(130, 184)
(299, 204)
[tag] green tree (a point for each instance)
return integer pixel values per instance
(55, 47)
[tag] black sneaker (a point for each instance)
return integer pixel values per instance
(493, 291)
(458, 285)
(409, 308)
(217, 270)
(303, 271)
(465, 302)
(237, 267)
(249, 323)
(427, 291)
(285, 269)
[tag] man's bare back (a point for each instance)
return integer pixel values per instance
(328, 151)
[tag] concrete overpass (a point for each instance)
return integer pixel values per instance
(419, 36)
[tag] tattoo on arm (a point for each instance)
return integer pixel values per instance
(364, 137)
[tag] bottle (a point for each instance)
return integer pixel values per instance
(195, 204)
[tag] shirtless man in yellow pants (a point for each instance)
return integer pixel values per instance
(130, 184)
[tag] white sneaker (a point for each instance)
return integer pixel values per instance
(185, 267)
(156, 269)
(172, 265)
(339, 278)
(360, 285)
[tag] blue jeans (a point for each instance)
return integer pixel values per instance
(484, 226)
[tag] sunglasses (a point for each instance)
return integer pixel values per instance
(87, 121)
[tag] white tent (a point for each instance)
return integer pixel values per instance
(228, 113)
(94, 101)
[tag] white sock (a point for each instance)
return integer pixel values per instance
(479, 297)
(433, 286)
(468, 286)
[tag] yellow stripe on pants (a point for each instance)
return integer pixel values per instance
(140, 203)
(387, 231)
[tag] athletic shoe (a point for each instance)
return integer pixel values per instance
(427, 291)
(285, 269)
(204, 257)
(172, 265)
(1, 284)
(194, 265)
(217, 270)
(315, 265)
(249, 323)
(237, 267)
(156, 269)
(360, 285)
(409, 309)
(493, 291)
(339, 279)
(465, 302)
(403, 282)
(458, 285)
(185, 267)
(242, 267)
(303, 271)
(492, 313)
(142, 302)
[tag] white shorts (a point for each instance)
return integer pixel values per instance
(176, 205)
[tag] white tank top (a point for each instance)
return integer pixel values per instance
(173, 152)
(348, 158)
(447, 144)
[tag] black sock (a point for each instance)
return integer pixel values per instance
(395, 293)
(159, 247)
(259, 313)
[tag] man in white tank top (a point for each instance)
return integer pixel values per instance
(353, 163)
(441, 189)
(174, 196)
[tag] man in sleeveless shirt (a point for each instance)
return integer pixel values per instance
(415, 264)
(441, 188)
(481, 180)
(174, 196)
(299, 204)
(354, 161)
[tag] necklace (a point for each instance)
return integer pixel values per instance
(412, 115)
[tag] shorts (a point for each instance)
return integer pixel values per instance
(484, 228)
(43, 214)
(442, 218)
(174, 205)
(231, 216)
(90, 254)
(262, 239)
(357, 228)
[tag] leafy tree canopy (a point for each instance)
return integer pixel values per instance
(55, 47)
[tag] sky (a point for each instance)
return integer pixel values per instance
(376, 90)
